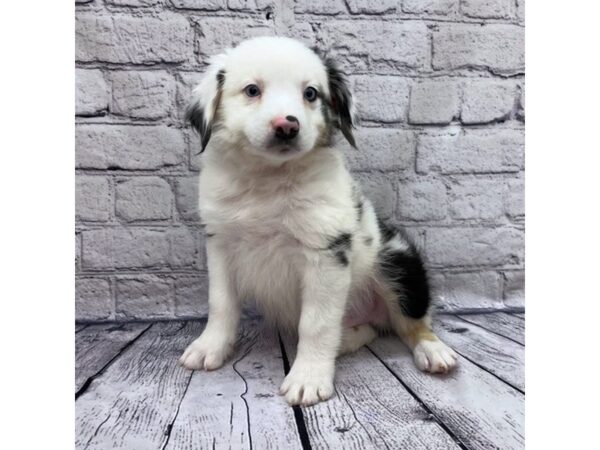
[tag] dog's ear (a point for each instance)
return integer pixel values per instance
(341, 100)
(206, 98)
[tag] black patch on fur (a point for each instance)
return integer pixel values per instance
(407, 276)
(341, 100)
(339, 246)
(387, 232)
(197, 118)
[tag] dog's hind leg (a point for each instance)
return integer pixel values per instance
(403, 285)
(429, 352)
(355, 337)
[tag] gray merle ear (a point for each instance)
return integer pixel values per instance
(341, 100)
(206, 98)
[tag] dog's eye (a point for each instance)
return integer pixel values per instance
(310, 94)
(252, 90)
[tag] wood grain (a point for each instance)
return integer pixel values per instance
(97, 345)
(238, 405)
(496, 354)
(370, 410)
(482, 411)
(133, 403)
(504, 324)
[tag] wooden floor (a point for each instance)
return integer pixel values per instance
(132, 394)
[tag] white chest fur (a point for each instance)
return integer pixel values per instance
(267, 220)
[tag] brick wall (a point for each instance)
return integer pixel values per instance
(440, 88)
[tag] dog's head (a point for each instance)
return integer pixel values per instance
(273, 97)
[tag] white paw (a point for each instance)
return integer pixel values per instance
(208, 352)
(434, 357)
(307, 386)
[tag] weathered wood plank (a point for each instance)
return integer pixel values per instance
(133, 403)
(482, 411)
(370, 410)
(97, 345)
(80, 326)
(222, 407)
(498, 355)
(521, 315)
(504, 324)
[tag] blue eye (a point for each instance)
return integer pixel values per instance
(310, 94)
(252, 90)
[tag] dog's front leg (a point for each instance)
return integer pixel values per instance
(216, 343)
(326, 282)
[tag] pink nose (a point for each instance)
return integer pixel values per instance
(286, 128)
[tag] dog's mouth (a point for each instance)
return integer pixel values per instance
(282, 149)
(287, 150)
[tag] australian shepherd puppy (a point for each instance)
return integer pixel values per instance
(289, 229)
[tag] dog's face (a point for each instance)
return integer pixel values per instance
(272, 97)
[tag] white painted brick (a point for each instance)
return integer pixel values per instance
(487, 100)
(128, 147)
(216, 35)
(497, 246)
(92, 198)
(456, 291)
(92, 94)
(144, 297)
(496, 47)
(381, 190)
(406, 45)
(434, 102)
(121, 39)
(521, 103)
(140, 248)
(422, 200)
(191, 296)
(521, 10)
(380, 149)
(134, 3)
(514, 289)
(438, 7)
(146, 95)
(381, 99)
(515, 200)
(186, 197)
(329, 7)
(372, 6)
(250, 5)
(478, 199)
(77, 252)
(488, 9)
(474, 151)
(93, 299)
(203, 5)
(143, 198)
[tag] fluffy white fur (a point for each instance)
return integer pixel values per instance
(273, 210)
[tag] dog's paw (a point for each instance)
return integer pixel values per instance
(434, 357)
(307, 386)
(207, 352)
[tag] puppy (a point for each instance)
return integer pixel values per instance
(288, 228)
